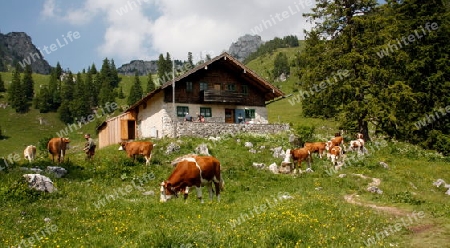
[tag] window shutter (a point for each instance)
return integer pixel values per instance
(124, 129)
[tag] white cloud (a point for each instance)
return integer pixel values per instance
(48, 10)
(142, 29)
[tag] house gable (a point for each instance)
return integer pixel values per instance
(218, 84)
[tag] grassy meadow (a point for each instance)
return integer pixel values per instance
(113, 202)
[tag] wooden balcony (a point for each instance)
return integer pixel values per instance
(222, 96)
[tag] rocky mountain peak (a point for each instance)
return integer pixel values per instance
(17, 47)
(244, 46)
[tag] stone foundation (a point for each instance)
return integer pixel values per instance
(207, 129)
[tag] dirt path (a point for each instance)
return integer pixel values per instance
(375, 183)
(427, 232)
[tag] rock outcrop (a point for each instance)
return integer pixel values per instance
(245, 45)
(142, 67)
(17, 47)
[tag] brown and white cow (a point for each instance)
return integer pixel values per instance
(357, 145)
(57, 147)
(315, 147)
(30, 153)
(299, 155)
(134, 148)
(335, 154)
(337, 141)
(194, 171)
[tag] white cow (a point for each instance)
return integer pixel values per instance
(30, 153)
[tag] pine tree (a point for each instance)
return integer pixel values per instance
(16, 93)
(80, 106)
(67, 94)
(54, 90)
(43, 101)
(337, 29)
(93, 69)
(2, 84)
(28, 83)
(114, 77)
(135, 91)
(64, 112)
(281, 65)
(58, 71)
(190, 60)
(161, 68)
(121, 95)
(106, 93)
(150, 84)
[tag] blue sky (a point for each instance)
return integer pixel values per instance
(124, 30)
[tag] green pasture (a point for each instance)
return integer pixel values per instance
(113, 202)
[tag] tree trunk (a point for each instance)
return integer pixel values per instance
(363, 127)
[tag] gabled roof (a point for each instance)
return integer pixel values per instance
(272, 92)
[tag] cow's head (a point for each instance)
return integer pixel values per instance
(123, 145)
(167, 191)
(65, 142)
(328, 145)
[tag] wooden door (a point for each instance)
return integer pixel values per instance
(229, 115)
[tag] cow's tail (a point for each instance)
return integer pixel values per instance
(221, 183)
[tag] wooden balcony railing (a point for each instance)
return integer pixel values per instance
(222, 96)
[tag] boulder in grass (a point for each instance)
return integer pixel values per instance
(39, 182)
(441, 182)
(202, 149)
(273, 168)
(57, 171)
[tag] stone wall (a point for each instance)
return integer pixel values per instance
(207, 129)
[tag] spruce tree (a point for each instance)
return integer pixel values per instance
(106, 93)
(43, 101)
(80, 106)
(281, 65)
(54, 90)
(93, 69)
(114, 77)
(121, 95)
(190, 60)
(28, 83)
(161, 68)
(150, 84)
(135, 91)
(16, 93)
(58, 71)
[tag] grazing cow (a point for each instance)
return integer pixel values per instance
(57, 147)
(335, 154)
(30, 153)
(299, 155)
(138, 148)
(357, 145)
(195, 171)
(317, 147)
(337, 141)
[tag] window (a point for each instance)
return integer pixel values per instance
(182, 110)
(231, 87)
(245, 89)
(249, 113)
(203, 86)
(206, 112)
(188, 86)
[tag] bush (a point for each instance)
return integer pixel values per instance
(305, 133)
